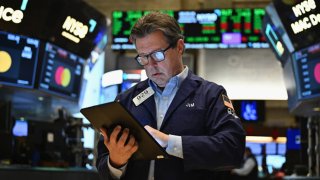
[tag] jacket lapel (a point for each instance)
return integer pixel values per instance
(188, 86)
(149, 104)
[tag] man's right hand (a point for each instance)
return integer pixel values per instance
(119, 150)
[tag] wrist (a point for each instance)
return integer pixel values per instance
(116, 165)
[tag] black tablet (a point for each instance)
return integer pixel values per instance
(111, 114)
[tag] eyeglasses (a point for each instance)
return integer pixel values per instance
(158, 56)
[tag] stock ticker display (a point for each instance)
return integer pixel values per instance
(211, 29)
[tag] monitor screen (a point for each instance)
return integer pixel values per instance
(250, 110)
(306, 63)
(256, 148)
(212, 29)
(73, 24)
(20, 128)
(300, 18)
(61, 72)
(293, 139)
(18, 60)
(282, 148)
(272, 28)
(76, 26)
(271, 148)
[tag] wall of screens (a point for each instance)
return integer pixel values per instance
(212, 29)
(61, 72)
(18, 59)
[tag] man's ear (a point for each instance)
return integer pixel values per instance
(180, 46)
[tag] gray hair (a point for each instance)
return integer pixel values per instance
(157, 21)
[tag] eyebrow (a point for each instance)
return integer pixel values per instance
(145, 54)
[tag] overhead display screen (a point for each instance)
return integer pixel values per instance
(61, 72)
(271, 30)
(26, 17)
(307, 71)
(78, 27)
(72, 24)
(212, 29)
(301, 19)
(18, 60)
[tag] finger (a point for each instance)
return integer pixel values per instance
(104, 134)
(124, 137)
(134, 148)
(114, 134)
(131, 141)
(149, 129)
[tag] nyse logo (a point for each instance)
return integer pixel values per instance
(74, 30)
(8, 14)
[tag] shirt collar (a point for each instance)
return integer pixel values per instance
(174, 81)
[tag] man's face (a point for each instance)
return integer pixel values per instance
(160, 72)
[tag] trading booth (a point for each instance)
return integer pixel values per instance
(45, 46)
(292, 30)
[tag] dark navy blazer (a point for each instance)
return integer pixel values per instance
(213, 138)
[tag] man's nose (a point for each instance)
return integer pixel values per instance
(152, 61)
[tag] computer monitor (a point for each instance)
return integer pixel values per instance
(300, 20)
(250, 110)
(256, 148)
(306, 64)
(282, 149)
(271, 148)
(61, 72)
(18, 60)
(293, 139)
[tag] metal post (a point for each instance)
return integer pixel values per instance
(316, 148)
(310, 145)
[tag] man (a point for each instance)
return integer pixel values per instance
(249, 169)
(191, 118)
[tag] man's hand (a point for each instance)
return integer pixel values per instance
(119, 151)
(160, 137)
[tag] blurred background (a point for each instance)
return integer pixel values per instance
(57, 57)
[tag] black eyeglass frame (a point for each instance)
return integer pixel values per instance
(150, 54)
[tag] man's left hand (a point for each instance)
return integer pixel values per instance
(160, 137)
